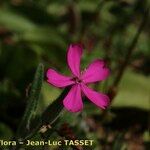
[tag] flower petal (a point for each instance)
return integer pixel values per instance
(73, 57)
(57, 79)
(99, 99)
(73, 101)
(96, 71)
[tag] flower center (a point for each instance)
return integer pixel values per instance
(77, 80)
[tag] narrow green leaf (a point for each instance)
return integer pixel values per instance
(33, 98)
(53, 110)
(50, 115)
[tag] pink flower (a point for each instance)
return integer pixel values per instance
(96, 71)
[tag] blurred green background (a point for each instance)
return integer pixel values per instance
(34, 31)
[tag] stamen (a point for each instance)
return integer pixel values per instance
(77, 80)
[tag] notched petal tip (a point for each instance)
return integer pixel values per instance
(76, 45)
(106, 102)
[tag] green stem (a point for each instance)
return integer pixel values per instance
(131, 49)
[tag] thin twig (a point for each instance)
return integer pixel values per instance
(131, 49)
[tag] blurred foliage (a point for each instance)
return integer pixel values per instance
(34, 31)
